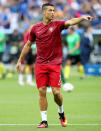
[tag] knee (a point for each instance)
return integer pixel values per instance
(42, 92)
(56, 92)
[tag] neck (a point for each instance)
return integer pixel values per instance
(46, 21)
(71, 33)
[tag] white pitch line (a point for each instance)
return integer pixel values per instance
(50, 124)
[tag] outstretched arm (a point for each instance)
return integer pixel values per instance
(24, 52)
(75, 21)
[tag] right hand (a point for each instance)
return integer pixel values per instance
(90, 18)
(18, 66)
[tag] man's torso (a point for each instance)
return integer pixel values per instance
(72, 41)
(48, 42)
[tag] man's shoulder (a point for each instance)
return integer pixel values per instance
(36, 25)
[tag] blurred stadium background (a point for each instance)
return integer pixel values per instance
(15, 17)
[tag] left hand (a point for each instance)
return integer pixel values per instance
(71, 52)
(90, 18)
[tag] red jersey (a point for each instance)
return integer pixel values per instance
(48, 42)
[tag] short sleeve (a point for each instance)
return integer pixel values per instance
(3, 38)
(32, 36)
(61, 25)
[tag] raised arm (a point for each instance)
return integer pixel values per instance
(24, 52)
(75, 21)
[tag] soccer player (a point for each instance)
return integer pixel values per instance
(47, 35)
(73, 41)
(28, 63)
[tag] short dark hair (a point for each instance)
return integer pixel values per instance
(45, 5)
(71, 28)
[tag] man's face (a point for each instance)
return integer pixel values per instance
(49, 12)
(70, 31)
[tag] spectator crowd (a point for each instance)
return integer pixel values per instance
(21, 13)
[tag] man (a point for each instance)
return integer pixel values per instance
(28, 63)
(86, 45)
(73, 41)
(16, 40)
(47, 35)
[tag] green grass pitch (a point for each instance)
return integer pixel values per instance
(19, 105)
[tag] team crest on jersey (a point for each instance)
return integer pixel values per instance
(51, 29)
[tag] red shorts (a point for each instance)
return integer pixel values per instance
(48, 75)
(23, 61)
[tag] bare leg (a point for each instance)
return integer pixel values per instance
(59, 101)
(57, 96)
(42, 99)
(43, 107)
(29, 75)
